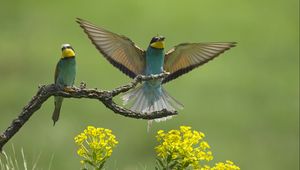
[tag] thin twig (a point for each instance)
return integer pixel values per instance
(106, 97)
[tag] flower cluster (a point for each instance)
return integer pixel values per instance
(181, 148)
(228, 165)
(184, 148)
(177, 150)
(95, 145)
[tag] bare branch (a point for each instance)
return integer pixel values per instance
(106, 97)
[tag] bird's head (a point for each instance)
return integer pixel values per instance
(67, 51)
(158, 42)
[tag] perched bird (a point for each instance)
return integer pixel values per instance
(124, 54)
(65, 73)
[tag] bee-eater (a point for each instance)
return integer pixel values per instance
(124, 54)
(65, 73)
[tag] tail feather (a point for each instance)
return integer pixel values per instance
(57, 104)
(143, 101)
(146, 100)
(166, 102)
(127, 97)
(138, 98)
(171, 99)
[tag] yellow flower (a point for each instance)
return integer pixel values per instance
(95, 145)
(228, 165)
(81, 152)
(80, 138)
(204, 145)
(185, 129)
(183, 148)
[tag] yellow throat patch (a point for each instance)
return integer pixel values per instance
(158, 44)
(68, 53)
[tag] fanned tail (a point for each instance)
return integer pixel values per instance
(146, 100)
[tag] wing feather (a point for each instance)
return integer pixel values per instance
(56, 71)
(187, 56)
(119, 50)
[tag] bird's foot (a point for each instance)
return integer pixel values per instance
(68, 89)
(165, 72)
(82, 85)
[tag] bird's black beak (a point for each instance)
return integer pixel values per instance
(161, 38)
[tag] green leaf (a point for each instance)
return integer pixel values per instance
(102, 164)
(169, 158)
(89, 162)
(174, 164)
(186, 164)
(159, 162)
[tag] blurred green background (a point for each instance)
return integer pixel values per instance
(246, 101)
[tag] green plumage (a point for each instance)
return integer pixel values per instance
(64, 77)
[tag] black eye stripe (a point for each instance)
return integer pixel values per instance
(154, 39)
(69, 47)
(157, 38)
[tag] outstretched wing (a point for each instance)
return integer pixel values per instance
(119, 50)
(185, 57)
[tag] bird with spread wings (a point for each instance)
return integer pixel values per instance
(124, 54)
